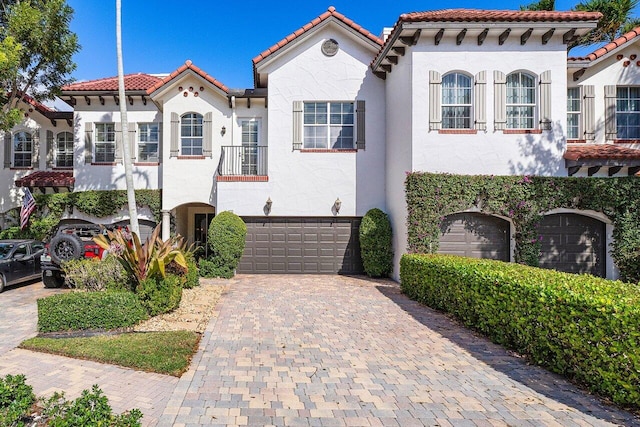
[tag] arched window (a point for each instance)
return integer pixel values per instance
(191, 134)
(521, 101)
(64, 150)
(456, 101)
(22, 149)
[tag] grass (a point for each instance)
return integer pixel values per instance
(161, 352)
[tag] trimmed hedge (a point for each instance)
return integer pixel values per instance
(227, 234)
(580, 326)
(160, 295)
(376, 246)
(89, 310)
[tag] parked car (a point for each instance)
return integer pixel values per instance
(19, 261)
(69, 242)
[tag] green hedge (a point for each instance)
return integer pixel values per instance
(376, 246)
(524, 200)
(227, 234)
(89, 310)
(160, 295)
(581, 326)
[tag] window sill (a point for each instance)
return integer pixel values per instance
(576, 141)
(242, 178)
(457, 131)
(521, 131)
(626, 141)
(104, 164)
(146, 163)
(190, 157)
(328, 150)
(25, 168)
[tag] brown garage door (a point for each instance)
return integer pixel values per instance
(475, 235)
(302, 245)
(573, 243)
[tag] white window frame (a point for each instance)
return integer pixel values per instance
(631, 110)
(191, 149)
(105, 139)
(65, 154)
(574, 100)
(520, 104)
(457, 105)
(145, 139)
(327, 125)
(27, 154)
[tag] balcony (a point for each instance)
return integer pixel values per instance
(243, 163)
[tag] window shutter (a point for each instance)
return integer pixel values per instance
(132, 141)
(360, 122)
(480, 101)
(499, 100)
(435, 99)
(545, 100)
(610, 126)
(207, 135)
(174, 147)
(160, 142)
(7, 149)
(588, 112)
(297, 124)
(50, 150)
(88, 143)
(35, 150)
(119, 142)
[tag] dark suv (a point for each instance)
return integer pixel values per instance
(68, 242)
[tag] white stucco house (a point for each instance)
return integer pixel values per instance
(336, 118)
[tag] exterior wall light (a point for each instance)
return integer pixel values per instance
(223, 130)
(267, 206)
(337, 205)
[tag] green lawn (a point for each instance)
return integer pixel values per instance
(161, 352)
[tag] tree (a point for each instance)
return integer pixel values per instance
(540, 5)
(616, 20)
(128, 167)
(36, 52)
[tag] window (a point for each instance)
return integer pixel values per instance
(105, 146)
(148, 142)
(628, 112)
(191, 134)
(64, 150)
(22, 149)
(249, 147)
(328, 125)
(456, 101)
(573, 113)
(521, 101)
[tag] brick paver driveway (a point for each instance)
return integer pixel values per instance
(327, 350)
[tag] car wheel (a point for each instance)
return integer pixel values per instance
(53, 281)
(65, 247)
(3, 283)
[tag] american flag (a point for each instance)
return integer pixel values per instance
(28, 205)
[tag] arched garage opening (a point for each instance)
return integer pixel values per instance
(475, 235)
(573, 243)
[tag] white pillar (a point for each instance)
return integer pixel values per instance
(166, 224)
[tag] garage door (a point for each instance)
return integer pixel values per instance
(475, 235)
(302, 245)
(573, 243)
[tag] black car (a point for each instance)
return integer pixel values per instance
(19, 261)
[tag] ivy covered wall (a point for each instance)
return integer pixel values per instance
(525, 199)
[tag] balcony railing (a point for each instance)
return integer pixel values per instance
(243, 160)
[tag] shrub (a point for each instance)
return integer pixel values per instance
(94, 275)
(89, 310)
(207, 268)
(90, 409)
(16, 398)
(376, 246)
(581, 326)
(193, 277)
(227, 234)
(160, 295)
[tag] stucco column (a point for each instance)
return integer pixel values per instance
(166, 224)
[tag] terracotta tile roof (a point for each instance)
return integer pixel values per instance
(132, 82)
(188, 65)
(609, 46)
(478, 15)
(579, 152)
(330, 13)
(47, 179)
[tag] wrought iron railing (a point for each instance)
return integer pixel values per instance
(243, 160)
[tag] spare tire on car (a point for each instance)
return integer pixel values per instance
(65, 247)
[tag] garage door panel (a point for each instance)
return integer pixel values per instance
(475, 235)
(302, 245)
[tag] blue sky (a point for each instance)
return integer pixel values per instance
(221, 37)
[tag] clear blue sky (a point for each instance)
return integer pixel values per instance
(221, 37)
